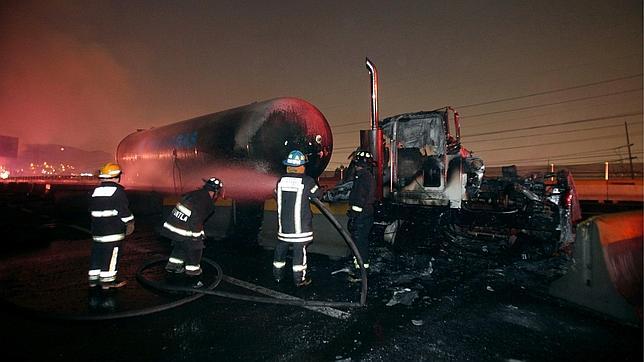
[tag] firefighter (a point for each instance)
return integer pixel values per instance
(185, 227)
(360, 210)
(294, 191)
(112, 221)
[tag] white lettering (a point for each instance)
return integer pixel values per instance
(179, 215)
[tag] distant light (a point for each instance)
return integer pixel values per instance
(86, 174)
(4, 174)
(62, 148)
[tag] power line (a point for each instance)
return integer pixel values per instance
(592, 151)
(551, 70)
(344, 132)
(537, 127)
(596, 107)
(553, 158)
(584, 153)
(509, 110)
(394, 81)
(543, 134)
(549, 92)
(595, 161)
(571, 156)
(365, 122)
(560, 123)
(554, 103)
(345, 148)
(549, 143)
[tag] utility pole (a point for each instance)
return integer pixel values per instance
(628, 144)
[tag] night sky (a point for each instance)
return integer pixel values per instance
(87, 73)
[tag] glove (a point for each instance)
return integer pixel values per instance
(129, 228)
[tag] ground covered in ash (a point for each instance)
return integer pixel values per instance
(455, 300)
(431, 298)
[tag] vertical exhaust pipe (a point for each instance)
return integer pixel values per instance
(373, 73)
(372, 139)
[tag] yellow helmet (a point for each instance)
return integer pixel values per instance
(110, 170)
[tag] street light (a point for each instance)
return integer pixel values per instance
(606, 177)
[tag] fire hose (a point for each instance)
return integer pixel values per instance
(196, 293)
(297, 302)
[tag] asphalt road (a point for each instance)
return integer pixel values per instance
(446, 300)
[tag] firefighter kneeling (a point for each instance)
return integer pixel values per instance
(185, 227)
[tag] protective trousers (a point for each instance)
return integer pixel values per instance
(360, 230)
(187, 253)
(299, 260)
(103, 261)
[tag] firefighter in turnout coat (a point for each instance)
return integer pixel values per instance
(184, 226)
(360, 211)
(294, 191)
(112, 221)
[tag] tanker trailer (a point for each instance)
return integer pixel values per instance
(244, 147)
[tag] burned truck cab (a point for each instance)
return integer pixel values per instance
(426, 164)
(429, 184)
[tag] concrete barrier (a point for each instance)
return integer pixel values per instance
(612, 190)
(607, 275)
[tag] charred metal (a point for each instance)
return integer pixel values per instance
(430, 180)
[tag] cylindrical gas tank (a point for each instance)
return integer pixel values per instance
(244, 147)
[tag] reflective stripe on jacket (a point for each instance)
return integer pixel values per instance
(186, 220)
(362, 194)
(293, 207)
(109, 209)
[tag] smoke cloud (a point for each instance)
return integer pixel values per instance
(57, 88)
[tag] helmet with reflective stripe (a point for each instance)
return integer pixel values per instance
(363, 158)
(110, 170)
(295, 158)
(213, 184)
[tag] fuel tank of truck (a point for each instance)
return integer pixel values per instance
(244, 147)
